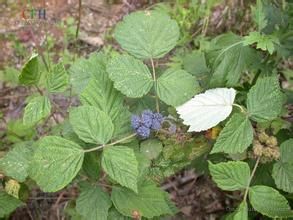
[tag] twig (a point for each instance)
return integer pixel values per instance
(111, 144)
(155, 80)
(79, 18)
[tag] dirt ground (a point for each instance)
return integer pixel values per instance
(195, 195)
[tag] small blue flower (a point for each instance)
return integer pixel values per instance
(147, 118)
(135, 121)
(157, 121)
(143, 132)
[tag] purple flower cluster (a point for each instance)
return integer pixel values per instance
(146, 122)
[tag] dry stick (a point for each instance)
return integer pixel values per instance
(79, 17)
(111, 144)
(155, 80)
(250, 179)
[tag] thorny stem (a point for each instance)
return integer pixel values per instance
(111, 144)
(250, 179)
(155, 80)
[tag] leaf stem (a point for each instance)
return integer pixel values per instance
(239, 106)
(250, 178)
(155, 80)
(111, 144)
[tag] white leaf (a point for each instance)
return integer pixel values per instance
(206, 110)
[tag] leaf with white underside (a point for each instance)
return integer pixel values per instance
(55, 163)
(175, 87)
(269, 202)
(265, 99)
(147, 34)
(93, 203)
(16, 162)
(233, 175)
(37, 109)
(236, 136)
(131, 76)
(283, 169)
(91, 125)
(206, 110)
(149, 202)
(120, 163)
(8, 204)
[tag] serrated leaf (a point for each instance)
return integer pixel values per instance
(206, 110)
(130, 76)
(91, 125)
(283, 169)
(149, 202)
(91, 165)
(57, 80)
(236, 136)
(147, 34)
(37, 109)
(93, 203)
(263, 42)
(83, 70)
(232, 58)
(101, 94)
(115, 215)
(175, 87)
(269, 202)
(233, 175)
(55, 163)
(259, 16)
(241, 213)
(151, 148)
(265, 100)
(16, 162)
(120, 163)
(8, 204)
(30, 72)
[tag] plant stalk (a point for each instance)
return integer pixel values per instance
(155, 80)
(250, 178)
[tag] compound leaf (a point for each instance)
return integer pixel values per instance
(91, 125)
(150, 201)
(236, 136)
(265, 100)
(148, 34)
(55, 163)
(269, 202)
(207, 109)
(93, 203)
(30, 72)
(120, 163)
(175, 87)
(233, 175)
(57, 80)
(130, 76)
(16, 162)
(38, 108)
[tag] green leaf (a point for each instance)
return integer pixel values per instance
(265, 100)
(16, 162)
(150, 201)
(84, 69)
(236, 136)
(115, 215)
(233, 175)
(91, 165)
(91, 125)
(269, 202)
(55, 163)
(30, 72)
(232, 58)
(101, 94)
(175, 87)
(263, 42)
(130, 76)
(58, 79)
(241, 213)
(151, 148)
(120, 163)
(147, 34)
(8, 204)
(37, 109)
(93, 203)
(283, 169)
(259, 16)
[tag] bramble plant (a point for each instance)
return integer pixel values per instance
(138, 122)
